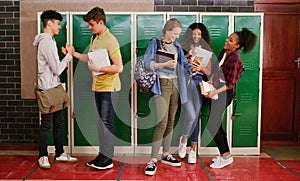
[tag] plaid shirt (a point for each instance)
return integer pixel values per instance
(230, 70)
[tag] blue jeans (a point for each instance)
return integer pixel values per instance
(105, 104)
(58, 128)
(193, 108)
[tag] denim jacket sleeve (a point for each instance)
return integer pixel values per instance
(150, 53)
(149, 60)
(183, 68)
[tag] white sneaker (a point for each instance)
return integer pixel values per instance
(44, 162)
(65, 157)
(215, 158)
(222, 162)
(192, 157)
(181, 149)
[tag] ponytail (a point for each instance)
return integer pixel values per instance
(247, 40)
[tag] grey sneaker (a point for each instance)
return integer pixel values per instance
(181, 149)
(65, 157)
(44, 162)
(222, 162)
(215, 158)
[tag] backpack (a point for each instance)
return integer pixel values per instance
(145, 79)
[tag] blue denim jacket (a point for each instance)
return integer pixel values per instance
(183, 69)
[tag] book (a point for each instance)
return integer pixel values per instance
(207, 87)
(100, 58)
(202, 56)
(163, 56)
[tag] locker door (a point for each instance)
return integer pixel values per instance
(85, 129)
(218, 31)
(185, 20)
(61, 40)
(245, 125)
(147, 26)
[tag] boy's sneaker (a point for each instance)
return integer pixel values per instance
(170, 160)
(151, 168)
(44, 162)
(222, 162)
(65, 157)
(215, 158)
(91, 163)
(192, 157)
(181, 149)
(103, 163)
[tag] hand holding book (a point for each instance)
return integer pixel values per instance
(166, 62)
(206, 88)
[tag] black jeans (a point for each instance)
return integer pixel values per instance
(58, 127)
(106, 104)
(214, 124)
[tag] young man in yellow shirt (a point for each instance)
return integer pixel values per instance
(105, 85)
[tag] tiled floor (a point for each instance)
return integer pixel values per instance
(17, 164)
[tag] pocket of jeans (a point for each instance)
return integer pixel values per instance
(163, 82)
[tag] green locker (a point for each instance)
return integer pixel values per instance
(245, 125)
(185, 20)
(61, 40)
(85, 131)
(147, 27)
(218, 30)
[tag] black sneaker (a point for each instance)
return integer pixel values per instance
(91, 163)
(103, 163)
(170, 160)
(151, 168)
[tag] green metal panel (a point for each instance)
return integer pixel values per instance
(61, 40)
(218, 30)
(148, 26)
(186, 21)
(245, 125)
(85, 131)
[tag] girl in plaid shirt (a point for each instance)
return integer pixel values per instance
(226, 72)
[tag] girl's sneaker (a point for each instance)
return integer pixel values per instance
(44, 162)
(222, 162)
(181, 149)
(192, 157)
(151, 168)
(170, 160)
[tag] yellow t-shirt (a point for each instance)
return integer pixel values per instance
(106, 82)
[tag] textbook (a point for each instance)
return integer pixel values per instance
(162, 57)
(207, 87)
(100, 58)
(202, 56)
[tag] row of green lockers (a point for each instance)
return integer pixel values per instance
(133, 31)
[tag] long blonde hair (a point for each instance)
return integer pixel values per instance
(169, 26)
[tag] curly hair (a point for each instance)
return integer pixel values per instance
(188, 39)
(247, 40)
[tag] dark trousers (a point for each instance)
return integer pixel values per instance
(214, 124)
(58, 127)
(106, 104)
